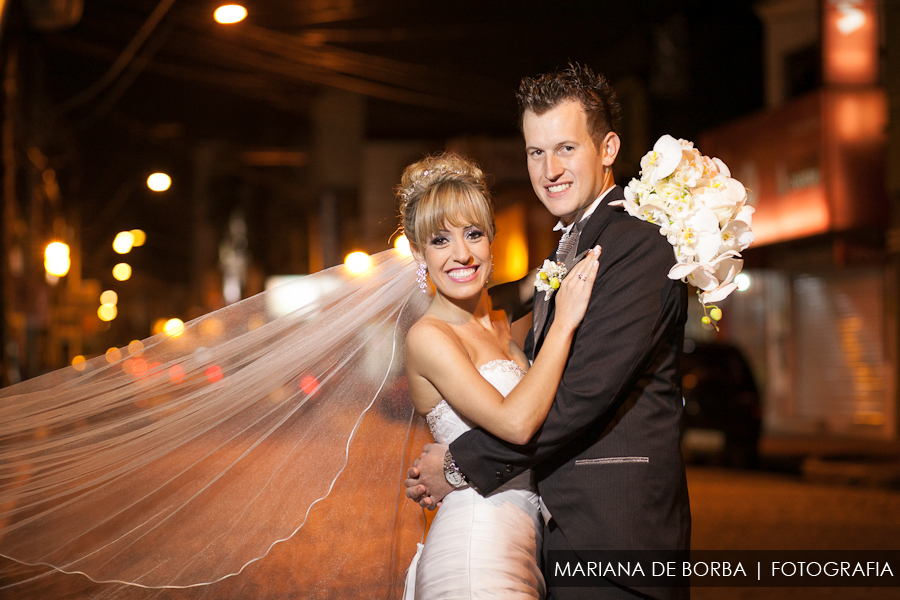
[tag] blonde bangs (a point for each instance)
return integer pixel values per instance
(455, 203)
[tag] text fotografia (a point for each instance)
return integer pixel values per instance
(725, 568)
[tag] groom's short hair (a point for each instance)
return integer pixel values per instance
(542, 93)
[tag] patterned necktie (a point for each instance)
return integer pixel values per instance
(568, 243)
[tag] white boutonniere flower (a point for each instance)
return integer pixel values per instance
(548, 278)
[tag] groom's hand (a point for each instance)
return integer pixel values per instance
(427, 484)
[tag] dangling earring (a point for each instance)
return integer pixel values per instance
(491, 274)
(422, 277)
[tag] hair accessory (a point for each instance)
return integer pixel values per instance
(421, 183)
(422, 277)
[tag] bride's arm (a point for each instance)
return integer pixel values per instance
(514, 297)
(435, 354)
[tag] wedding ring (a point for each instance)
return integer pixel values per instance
(581, 277)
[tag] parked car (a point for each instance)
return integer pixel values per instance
(722, 410)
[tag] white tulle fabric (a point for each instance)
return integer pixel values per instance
(181, 464)
(481, 546)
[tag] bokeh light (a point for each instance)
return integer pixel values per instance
(174, 327)
(135, 348)
(176, 374)
(107, 312)
(229, 14)
(79, 363)
(743, 281)
(122, 271)
(159, 326)
(212, 327)
(56, 259)
(255, 322)
(309, 385)
(139, 367)
(159, 182)
(123, 242)
(113, 355)
(358, 262)
(214, 374)
(402, 244)
(109, 297)
(139, 237)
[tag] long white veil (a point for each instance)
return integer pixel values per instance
(184, 462)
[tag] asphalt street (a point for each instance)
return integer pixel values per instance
(744, 510)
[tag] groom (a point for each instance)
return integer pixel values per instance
(607, 458)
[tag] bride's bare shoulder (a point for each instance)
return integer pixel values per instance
(431, 333)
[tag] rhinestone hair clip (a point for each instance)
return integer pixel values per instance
(421, 183)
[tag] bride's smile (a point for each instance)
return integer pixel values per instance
(458, 258)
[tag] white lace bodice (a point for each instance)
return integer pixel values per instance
(446, 424)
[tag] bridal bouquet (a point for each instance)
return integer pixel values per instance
(701, 210)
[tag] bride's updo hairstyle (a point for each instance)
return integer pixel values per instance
(441, 189)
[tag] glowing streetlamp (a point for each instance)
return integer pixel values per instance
(229, 14)
(174, 327)
(402, 244)
(107, 312)
(56, 259)
(159, 182)
(358, 262)
(124, 242)
(122, 271)
(79, 363)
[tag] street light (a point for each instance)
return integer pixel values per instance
(122, 271)
(402, 244)
(358, 262)
(107, 312)
(174, 327)
(159, 182)
(229, 14)
(124, 242)
(56, 259)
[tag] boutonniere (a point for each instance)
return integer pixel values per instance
(549, 277)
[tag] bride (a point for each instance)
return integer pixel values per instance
(219, 461)
(464, 370)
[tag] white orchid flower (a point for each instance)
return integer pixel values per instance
(745, 214)
(724, 190)
(697, 274)
(701, 230)
(736, 235)
(721, 167)
(689, 175)
(664, 158)
(726, 269)
(652, 214)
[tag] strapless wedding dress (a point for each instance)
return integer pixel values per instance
(481, 546)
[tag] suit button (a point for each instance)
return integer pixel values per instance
(509, 468)
(499, 475)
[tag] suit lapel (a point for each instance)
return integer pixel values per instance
(597, 222)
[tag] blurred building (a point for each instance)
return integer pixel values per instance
(284, 135)
(819, 320)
